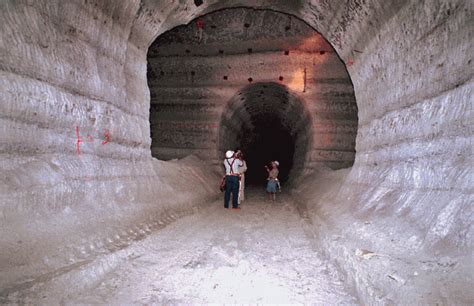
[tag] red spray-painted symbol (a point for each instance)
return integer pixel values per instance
(199, 24)
(78, 141)
(350, 62)
(90, 139)
(106, 136)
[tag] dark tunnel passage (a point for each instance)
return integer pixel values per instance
(267, 123)
(272, 141)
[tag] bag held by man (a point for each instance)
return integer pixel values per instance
(222, 185)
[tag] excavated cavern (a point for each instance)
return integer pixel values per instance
(257, 79)
(115, 116)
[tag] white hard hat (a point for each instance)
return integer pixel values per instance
(277, 163)
(229, 154)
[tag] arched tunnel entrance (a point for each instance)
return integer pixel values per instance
(260, 80)
(267, 123)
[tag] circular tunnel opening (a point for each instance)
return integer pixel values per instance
(267, 122)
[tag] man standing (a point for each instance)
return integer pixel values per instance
(232, 165)
(242, 169)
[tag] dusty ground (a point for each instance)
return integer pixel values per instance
(263, 253)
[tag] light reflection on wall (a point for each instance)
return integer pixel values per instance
(310, 53)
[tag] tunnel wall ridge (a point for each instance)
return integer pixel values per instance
(102, 214)
(382, 258)
(75, 162)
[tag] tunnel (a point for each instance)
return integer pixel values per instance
(231, 87)
(267, 123)
(114, 120)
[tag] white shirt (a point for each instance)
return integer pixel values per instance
(235, 163)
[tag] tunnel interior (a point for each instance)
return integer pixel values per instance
(267, 123)
(87, 216)
(259, 80)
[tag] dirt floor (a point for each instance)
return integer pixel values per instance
(263, 253)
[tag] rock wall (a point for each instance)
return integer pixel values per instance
(76, 170)
(74, 114)
(414, 140)
(382, 257)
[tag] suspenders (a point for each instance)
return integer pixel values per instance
(230, 166)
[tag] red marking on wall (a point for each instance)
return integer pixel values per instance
(106, 136)
(90, 139)
(350, 62)
(78, 142)
(200, 27)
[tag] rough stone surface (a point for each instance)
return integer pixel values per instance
(384, 258)
(233, 261)
(72, 68)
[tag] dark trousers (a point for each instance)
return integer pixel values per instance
(231, 186)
